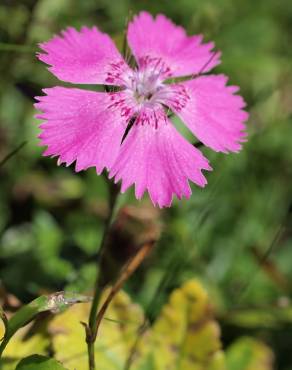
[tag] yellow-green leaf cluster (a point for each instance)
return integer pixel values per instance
(21, 346)
(116, 335)
(185, 336)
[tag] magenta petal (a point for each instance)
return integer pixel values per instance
(80, 127)
(86, 57)
(160, 38)
(160, 161)
(212, 112)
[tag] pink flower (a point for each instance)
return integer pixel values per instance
(128, 131)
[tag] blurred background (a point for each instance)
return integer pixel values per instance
(235, 235)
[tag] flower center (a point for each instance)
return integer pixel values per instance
(144, 85)
(147, 80)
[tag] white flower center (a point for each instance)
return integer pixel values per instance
(144, 85)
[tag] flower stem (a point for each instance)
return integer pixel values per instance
(91, 328)
(126, 272)
(12, 153)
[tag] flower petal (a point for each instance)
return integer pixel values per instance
(81, 125)
(85, 57)
(210, 110)
(158, 38)
(156, 158)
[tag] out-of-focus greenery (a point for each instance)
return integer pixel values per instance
(235, 234)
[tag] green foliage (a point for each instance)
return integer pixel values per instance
(249, 354)
(116, 336)
(21, 345)
(194, 344)
(37, 362)
(185, 336)
(274, 318)
(54, 303)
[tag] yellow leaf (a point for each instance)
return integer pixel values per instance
(185, 336)
(116, 335)
(19, 346)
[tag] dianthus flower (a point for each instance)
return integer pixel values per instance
(128, 131)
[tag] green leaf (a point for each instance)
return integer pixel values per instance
(37, 362)
(21, 345)
(275, 317)
(54, 303)
(249, 354)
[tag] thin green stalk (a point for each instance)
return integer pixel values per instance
(91, 328)
(3, 345)
(12, 153)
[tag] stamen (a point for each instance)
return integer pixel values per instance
(144, 86)
(115, 73)
(175, 96)
(154, 64)
(151, 116)
(121, 103)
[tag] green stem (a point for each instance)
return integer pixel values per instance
(91, 329)
(3, 345)
(12, 153)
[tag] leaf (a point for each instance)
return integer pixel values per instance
(54, 303)
(274, 317)
(185, 336)
(37, 362)
(117, 334)
(249, 354)
(20, 346)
